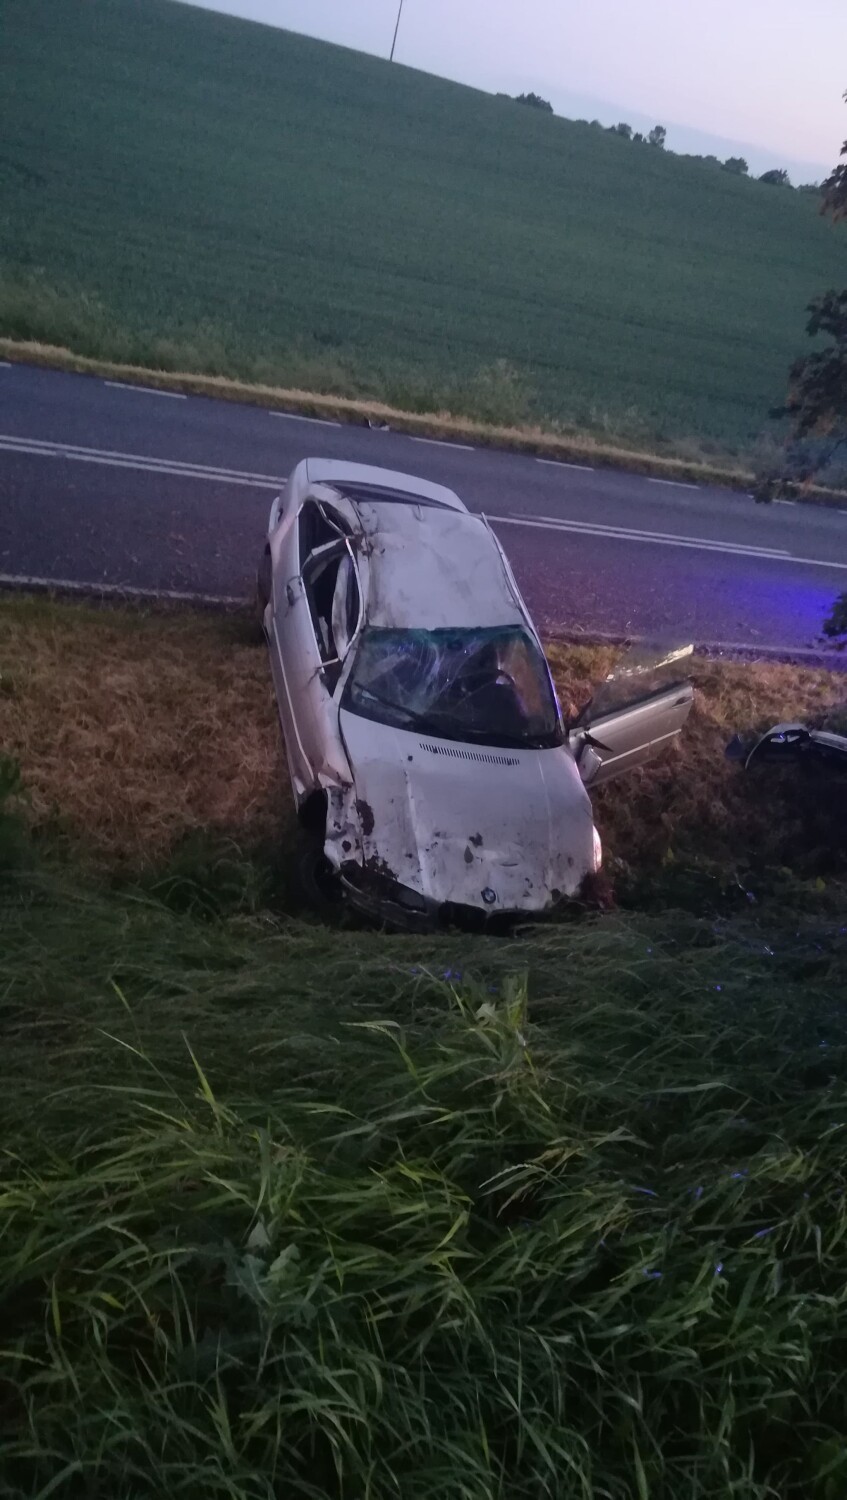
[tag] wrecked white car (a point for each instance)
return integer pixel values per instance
(425, 742)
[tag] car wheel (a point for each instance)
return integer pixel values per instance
(263, 592)
(317, 879)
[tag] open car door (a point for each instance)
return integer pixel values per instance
(640, 708)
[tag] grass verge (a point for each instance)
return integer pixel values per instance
(289, 1211)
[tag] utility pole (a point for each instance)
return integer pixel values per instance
(396, 29)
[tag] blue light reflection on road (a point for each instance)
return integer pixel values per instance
(602, 584)
(802, 603)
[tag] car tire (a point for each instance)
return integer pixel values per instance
(318, 882)
(263, 594)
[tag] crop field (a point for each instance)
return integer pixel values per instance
(190, 191)
(292, 1210)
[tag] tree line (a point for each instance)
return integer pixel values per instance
(776, 177)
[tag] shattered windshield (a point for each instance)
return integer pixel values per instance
(487, 687)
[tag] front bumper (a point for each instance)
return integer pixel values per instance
(380, 899)
(388, 903)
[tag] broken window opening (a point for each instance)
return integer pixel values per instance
(318, 525)
(645, 671)
(332, 592)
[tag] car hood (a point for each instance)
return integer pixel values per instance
(452, 821)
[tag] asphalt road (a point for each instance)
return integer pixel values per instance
(112, 485)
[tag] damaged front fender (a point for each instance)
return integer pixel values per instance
(367, 881)
(343, 843)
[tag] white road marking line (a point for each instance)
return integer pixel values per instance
(209, 476)
(5, 364)
(40, 448)
(145, 390)
(293, 416)
(559, 463)
(819, 653)
(50, 445)
(598, 528)
(760, 554)
(442, 443)
(783, 502)
(677, 484)
(119, 590)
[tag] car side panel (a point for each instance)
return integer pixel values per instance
(286, 586)
(301, 671)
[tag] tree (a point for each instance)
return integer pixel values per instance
(776, 177)
(535, 101)
(658, 135)
(817, 389)
(621, 129)
(810, 187)
(835, 189)
(817, 384)
(639, 137)
(736, 164)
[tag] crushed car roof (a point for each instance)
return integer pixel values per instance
(341, 474)
(433, 569)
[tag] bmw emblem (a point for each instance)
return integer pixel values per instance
(489, 896)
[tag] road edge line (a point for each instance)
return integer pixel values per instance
(831, 659)
(27, 583)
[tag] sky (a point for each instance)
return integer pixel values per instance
(768, 75)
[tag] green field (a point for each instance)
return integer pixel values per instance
(192, 191)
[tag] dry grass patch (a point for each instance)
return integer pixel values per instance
(134, 729)
(693, 801)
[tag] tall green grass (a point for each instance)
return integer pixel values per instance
(188, 190)
(292, 1212)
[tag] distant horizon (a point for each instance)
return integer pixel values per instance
(497, 65)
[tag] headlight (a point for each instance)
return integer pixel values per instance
(598, 852)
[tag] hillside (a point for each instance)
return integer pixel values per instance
(186, 189)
